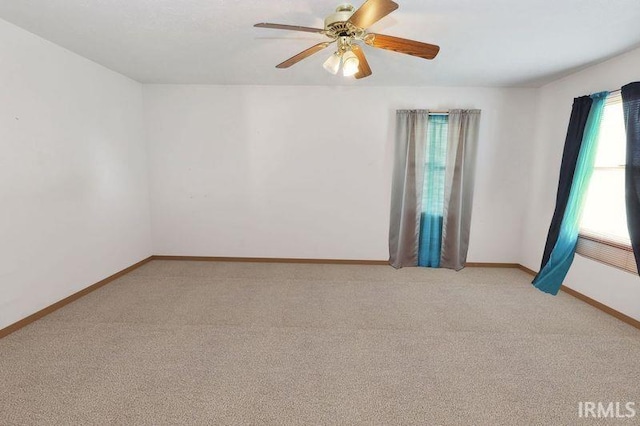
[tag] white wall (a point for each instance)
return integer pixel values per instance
(251, 171)
(73, 180)
(306, 171)
(617, 289)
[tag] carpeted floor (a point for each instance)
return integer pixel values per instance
(255, 343)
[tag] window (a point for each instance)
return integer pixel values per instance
(431, 219)
(603, 228)
(435, 165)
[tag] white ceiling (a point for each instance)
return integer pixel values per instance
(483, 42)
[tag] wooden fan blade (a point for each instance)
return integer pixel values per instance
(288, 27)
(371, 12)
(403, 45)
(304, 54)
(363, 68)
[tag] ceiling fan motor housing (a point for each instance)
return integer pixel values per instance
(336, 24)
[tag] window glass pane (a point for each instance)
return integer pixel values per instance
(604, 213)
(435, 163)
(612, 137)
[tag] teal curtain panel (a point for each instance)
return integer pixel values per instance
(572, 144)
(551, 276)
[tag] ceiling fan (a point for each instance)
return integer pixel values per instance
(346, 27)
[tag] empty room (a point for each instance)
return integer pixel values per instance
(315, 212)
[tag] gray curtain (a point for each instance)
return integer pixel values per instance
(459, 183)
(406, 191)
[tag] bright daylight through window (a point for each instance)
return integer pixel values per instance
(604, 216)
(603, 228)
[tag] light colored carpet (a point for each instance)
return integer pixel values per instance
(178, 342)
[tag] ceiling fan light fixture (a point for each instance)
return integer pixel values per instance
(350, 64)
(348, 27)
(332, 64)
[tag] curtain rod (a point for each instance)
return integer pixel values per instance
(428, 111)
